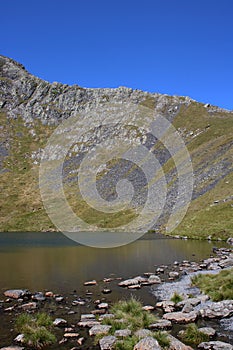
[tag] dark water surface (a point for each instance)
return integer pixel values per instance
(40, 261)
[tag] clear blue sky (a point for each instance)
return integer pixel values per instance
(178, 47)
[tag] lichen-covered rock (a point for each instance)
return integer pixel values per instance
(215, 345)
(181, 317)
(147, 343)
(99, 329)
(176, 344)
(217, 309)
(107, 342)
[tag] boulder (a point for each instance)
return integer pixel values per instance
(107, 342)
(215, 345)
(16, 293)
(217, 309)
(99, 329)
(153, 279)
(160, 325)
(208, 331)
(181, 317)
(147, 343)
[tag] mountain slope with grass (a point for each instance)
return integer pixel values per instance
(31, 109)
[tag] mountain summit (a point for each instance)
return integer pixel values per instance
(31, 109)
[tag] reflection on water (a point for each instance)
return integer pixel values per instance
(39, 261)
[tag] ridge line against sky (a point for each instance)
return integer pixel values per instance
(173, 47)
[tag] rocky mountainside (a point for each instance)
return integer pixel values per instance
(31, 109)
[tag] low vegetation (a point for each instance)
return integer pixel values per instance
(130, 315)
(218, 287)
(37, 329)
(193, 336)
(176, 298)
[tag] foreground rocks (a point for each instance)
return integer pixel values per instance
(147, 343)
(215, 345)
(219, 309)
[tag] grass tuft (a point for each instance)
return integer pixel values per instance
(193, 336)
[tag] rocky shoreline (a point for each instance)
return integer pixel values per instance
(78, 318)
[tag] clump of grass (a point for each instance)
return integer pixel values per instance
(36, 329)
(193, 336)
(129, 314)
(176, 298)
(218, 287)
(127, 344)
(162, 339)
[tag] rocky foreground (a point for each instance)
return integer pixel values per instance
(78, 319)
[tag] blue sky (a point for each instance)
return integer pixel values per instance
(177, 47)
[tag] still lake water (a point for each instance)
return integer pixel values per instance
(50, 261)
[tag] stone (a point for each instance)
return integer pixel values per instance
(153, 279)
(187, 308)
(106, 291)
(181, 317)
(101, 318)
(107, 342)
(191, 301)
(87, 317)
(143, 333)
(122, 333)
(59, 299)
(134, 286)
(147, 343)
(208, 331)
(102, 305)
(215, 345)
(88, 320)
(58, 322)
(99, 329)
(71, 335)
(29, 306)
(160, 325)
(218, 309)
(230, 241)
(19, 338)
(15, 293)
(90, 283)
(176, 344)
(39, 296)
(173, 274)
(80, 341)
(49, 294)
(166, 305)
(148, 308)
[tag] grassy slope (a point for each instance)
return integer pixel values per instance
(22, 209)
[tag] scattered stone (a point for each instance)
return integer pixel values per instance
(9, 309)
(230, 241)
(78, 302)
(160, 325)
(98, 312)
(217, 309)
(148, 308)
(90, 283)
(59, 299)
(153, 279)
(68, 330)
(71, 335)
(166, 305)
(107, 342)
(176, 344)
(64, 340)
(80, 341)
(87, 317)
(19, 338)
(29, 306)
(173, 274)
(208, 331)
(143, 333)
(215, 345)
(147, 343)
(133, 281)
(134, 286)
(58, 322)
(49, 294)
(102, 305)
(160, 270)
(106, 291)
(187, 308)
(122, 333)
(39, 297)
(99, 329)
(191, 301)
(181, 317)
(101, 318)
(16, 293)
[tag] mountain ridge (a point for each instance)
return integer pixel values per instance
(31, 109)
